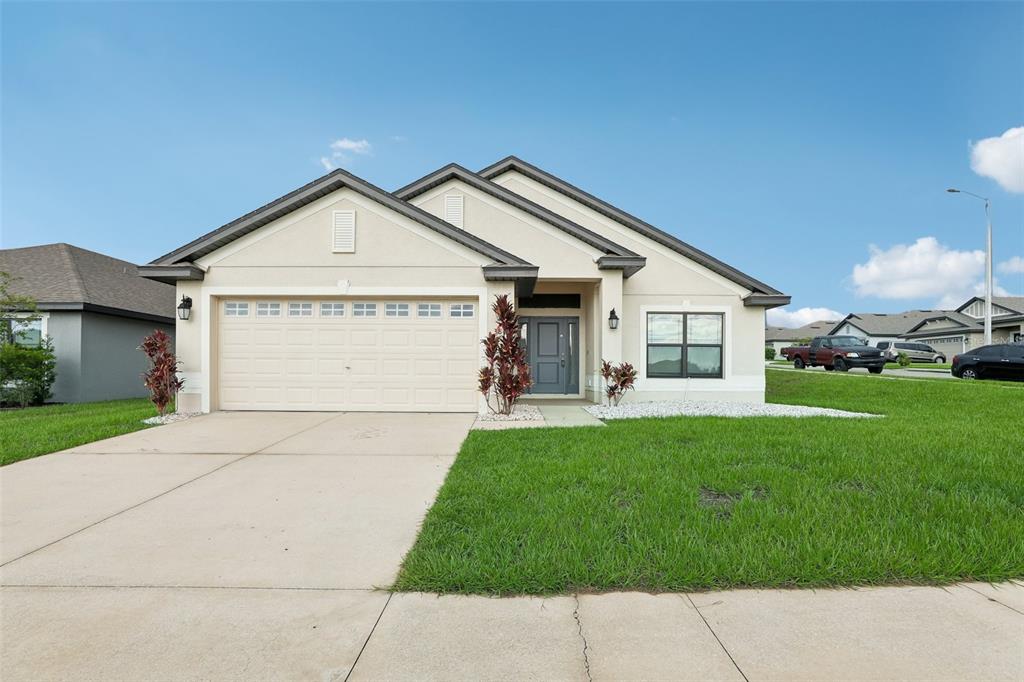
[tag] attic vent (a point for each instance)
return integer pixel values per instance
(344, 232)
(453, 209)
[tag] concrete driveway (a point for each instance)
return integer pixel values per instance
(249, 546)
(228, 545)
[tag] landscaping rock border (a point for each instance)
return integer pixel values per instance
(711, 408)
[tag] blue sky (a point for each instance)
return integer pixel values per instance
(787, 139)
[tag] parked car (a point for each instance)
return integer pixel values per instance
(840, 353)
(918, 352)
(998, 361)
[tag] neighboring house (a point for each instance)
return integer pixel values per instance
(876, 327)
(96, 310)
(343, 296)
(780, 337)
(956, 331)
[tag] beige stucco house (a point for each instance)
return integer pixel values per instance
(343, 296)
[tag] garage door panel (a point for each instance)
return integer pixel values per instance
(346, 363)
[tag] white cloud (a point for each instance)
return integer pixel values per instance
(1013, 266)
(344, 144)
(399, 138)
(925, 269)
(1001, 158)
(780, 317)
(342, 150)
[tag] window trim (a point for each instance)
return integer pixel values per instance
(430, 304)
(396, 309)
(685, 345)
(300, 314)
(269, 305)
(236, 303)
(362, 312)
(462, 307)
(335, 311)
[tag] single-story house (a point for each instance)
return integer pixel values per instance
(781, 337)
(96, 310)
(343, 296)
(876, 327)
(957, 331)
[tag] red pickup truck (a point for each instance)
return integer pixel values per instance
(839, 353)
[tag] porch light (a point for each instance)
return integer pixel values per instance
(184, 308)
(613, 320)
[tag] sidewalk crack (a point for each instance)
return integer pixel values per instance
(586, 647)
(715, 635)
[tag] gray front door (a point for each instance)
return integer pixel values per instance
(552, 344)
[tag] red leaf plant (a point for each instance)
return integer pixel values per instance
(506, 374)
(162, 376)
(618, 379)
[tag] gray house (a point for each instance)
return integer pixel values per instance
(96, 310)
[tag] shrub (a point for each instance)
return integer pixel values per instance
(27, 373)
(903, 359)
(506, 376)
(162, 376)
(618, 379)
(769, 353)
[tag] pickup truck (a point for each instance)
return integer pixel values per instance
(839, 353)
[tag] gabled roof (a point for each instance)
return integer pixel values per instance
(762, 290)
(619, 256)
(333, 181)
(66, 277)
(886, 324)
(1014, 303)
(819, 328)
(954, 320)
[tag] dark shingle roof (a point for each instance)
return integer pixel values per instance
(65, 274)
(887, 324)
(819, 328)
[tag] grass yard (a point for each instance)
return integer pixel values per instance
(933, 493)
(37, 431)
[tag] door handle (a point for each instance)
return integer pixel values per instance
(562, 362)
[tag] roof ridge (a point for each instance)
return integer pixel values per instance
(68, 254)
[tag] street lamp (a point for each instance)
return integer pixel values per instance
(988, 263)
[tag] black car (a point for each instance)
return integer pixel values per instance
(998, 361)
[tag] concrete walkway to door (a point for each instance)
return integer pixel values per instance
(249, 546)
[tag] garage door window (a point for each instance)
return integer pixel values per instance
(396, 310)
(300, 310)
(429, 310)
(461, 310)
(364, 310)
(332, 310)
(236, 309)
(268, 309)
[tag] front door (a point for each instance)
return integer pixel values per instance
(552, 345)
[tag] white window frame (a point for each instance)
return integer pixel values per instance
(364, 309)
(300, 309)
(236, 309)
(396, 310)
(268, 309)
(332, 309)
(430, 308)
(460, 310)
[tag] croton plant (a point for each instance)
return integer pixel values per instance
(506, 375)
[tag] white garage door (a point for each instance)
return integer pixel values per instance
(394, 355)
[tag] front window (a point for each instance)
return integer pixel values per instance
(27, 333)
(684, 345)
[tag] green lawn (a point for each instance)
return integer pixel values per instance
(932, 493)
(40, 430)
(930, 365)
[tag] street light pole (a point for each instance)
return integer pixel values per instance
(988, 262)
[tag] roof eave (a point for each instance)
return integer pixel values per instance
(766, 300)
(172, 274)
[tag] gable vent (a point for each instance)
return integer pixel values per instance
(453, 209)
(344, 232)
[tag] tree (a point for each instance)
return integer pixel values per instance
(506, 376)
(15, 309)
(162, 376)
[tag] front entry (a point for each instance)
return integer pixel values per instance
(552, 345)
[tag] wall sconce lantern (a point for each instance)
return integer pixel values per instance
(184, 308)
(613, 320)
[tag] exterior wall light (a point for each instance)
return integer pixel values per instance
(613, 320)
(185, 308)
